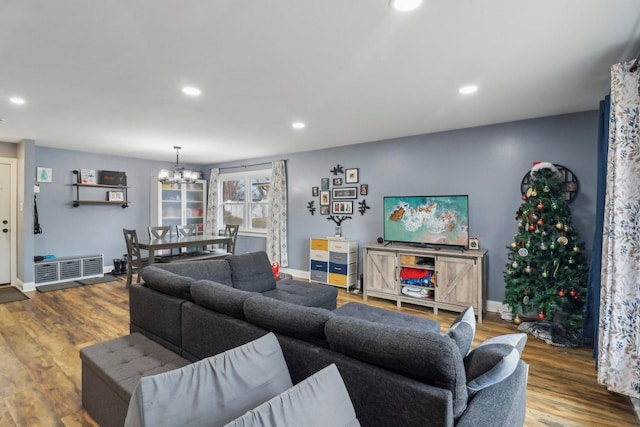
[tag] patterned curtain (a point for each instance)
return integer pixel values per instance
(619, 328)
(211, 226)
(277, 223)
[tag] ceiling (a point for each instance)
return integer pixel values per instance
(106, 76)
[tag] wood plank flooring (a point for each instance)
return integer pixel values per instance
(40, 368)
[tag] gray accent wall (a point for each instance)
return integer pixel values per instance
(487, 163)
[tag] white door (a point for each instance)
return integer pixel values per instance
(5, 222)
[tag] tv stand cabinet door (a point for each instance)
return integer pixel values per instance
(380, 275)
(457, 282)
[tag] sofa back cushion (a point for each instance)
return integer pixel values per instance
(221, 298)
(167, 282)
(215, 270)
(297, 321)
(424, 355)
(251, 272)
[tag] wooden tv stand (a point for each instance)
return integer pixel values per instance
(459, 276)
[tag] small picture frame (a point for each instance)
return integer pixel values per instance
(351, 176)
(324, 198)
(364, 189)
(342, 207)
(314, 191)
(345, 193)
(324, 184)
(87, 176)
(324, 210)
(115, 196)
(337, 181)
(44, 175)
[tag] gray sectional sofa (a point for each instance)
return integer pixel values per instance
(399, 370)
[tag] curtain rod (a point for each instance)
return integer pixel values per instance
(245, 166)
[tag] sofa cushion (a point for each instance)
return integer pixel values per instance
(251, 272)
(304, 293)
(305, 323)
(386, 317)
(318, 401)
(221, 298)
(493, 360)
(215, 270)
(423, 355)
(463, 330)
(167, 282)
(212, 391)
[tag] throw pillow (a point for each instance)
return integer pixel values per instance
(493, 361)
(463, 330)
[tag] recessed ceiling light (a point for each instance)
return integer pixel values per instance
(467, 90)
(191, 91)
(17, 100)
(298, 125)
(405, 5)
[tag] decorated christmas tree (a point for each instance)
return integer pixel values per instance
(547, 272)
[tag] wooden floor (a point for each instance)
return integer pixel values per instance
(40, 367)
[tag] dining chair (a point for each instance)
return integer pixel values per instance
(187, 230)
(133, 254)
(159, 232)
(231, 230)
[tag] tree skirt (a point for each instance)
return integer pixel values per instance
(552, 333)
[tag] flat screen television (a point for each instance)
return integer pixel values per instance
(427, 220)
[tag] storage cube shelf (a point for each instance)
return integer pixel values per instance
(68, 268)
(334, 262)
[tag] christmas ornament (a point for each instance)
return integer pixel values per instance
(552, 245)
(540, 206)
(532, 227)
(554, 206)
(528, 244)
(517, 320)
(571, 261)
(576, 249)
(559, 226)
(541, 316)
(534, 193)
(543, 246)
(540, 222)
(525, 300)
(567, 228)
(546, 189)
(562, 240)
(514, 245)
(576, 297)
(572, 293)
(523, 252)
(529, 191)
(545, 273)
(524, 197)
(561, 293)
(527, 269)
(537, 231)
(515, 264)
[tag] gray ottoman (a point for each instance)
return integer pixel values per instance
(111, 370)
(386, 317)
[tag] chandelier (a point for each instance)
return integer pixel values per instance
(179, 174)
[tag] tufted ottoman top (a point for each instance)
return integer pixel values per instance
(123, 361)
(386, 317)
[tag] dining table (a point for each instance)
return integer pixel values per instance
(172, 242)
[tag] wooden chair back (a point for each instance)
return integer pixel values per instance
(133, 254)
(231, 230)
(187, 230)
(159, 232)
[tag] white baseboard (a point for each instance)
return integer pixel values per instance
(302, 274)
(26, 287)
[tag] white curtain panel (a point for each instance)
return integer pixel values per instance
(277, 223)
(619, 329)
(211, 225)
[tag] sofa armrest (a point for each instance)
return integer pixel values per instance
(502, 404)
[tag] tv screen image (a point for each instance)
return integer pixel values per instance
(427, 220)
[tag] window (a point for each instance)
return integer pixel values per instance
(244, 200)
